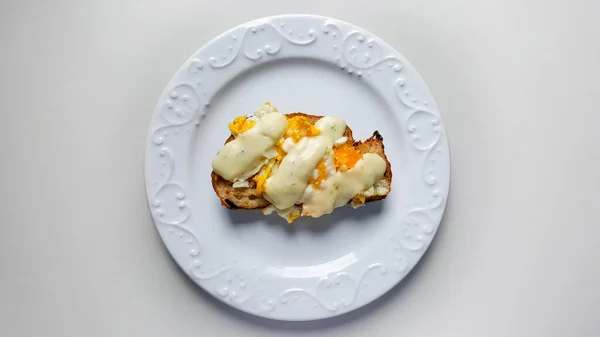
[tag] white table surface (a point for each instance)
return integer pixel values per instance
(517, 83)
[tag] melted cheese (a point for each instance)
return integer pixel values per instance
(343, 186)
(242, 157)
(286, 186)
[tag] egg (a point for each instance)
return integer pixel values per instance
(261, 178)
(313, 180)
(266, 108)
(319, 175)
(299, 127)
(241, 124)
(280, 151)
(346, 157)
(339, 159)
(287, 145)
(290, 214)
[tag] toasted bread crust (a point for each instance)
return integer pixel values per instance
(247, 198)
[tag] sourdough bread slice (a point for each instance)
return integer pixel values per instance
(247, 198)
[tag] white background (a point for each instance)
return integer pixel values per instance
(517, 83)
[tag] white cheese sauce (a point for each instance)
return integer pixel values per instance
(343, 186)
(287, 185)
(242, 157)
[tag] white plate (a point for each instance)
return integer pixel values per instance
(319, 267)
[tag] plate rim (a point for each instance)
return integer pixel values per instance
(186, 64)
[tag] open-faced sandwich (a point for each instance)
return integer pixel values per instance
(298, 165)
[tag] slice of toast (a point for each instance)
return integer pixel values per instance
(247, 198)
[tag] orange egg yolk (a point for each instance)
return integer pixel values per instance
(293, 217)
(280, 152)
(345, 157)
(240, 124)
(299, 127)
(322, 169)
(261, 178)
(265, 171)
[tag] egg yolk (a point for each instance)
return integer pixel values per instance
(293, 217)
(322, 170)
(280, 152)
(261, 178)
(345, 157)
(241, 124)
(269, 105)
(265, 171)
(299, 127)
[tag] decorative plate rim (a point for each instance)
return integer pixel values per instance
(183, 104)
